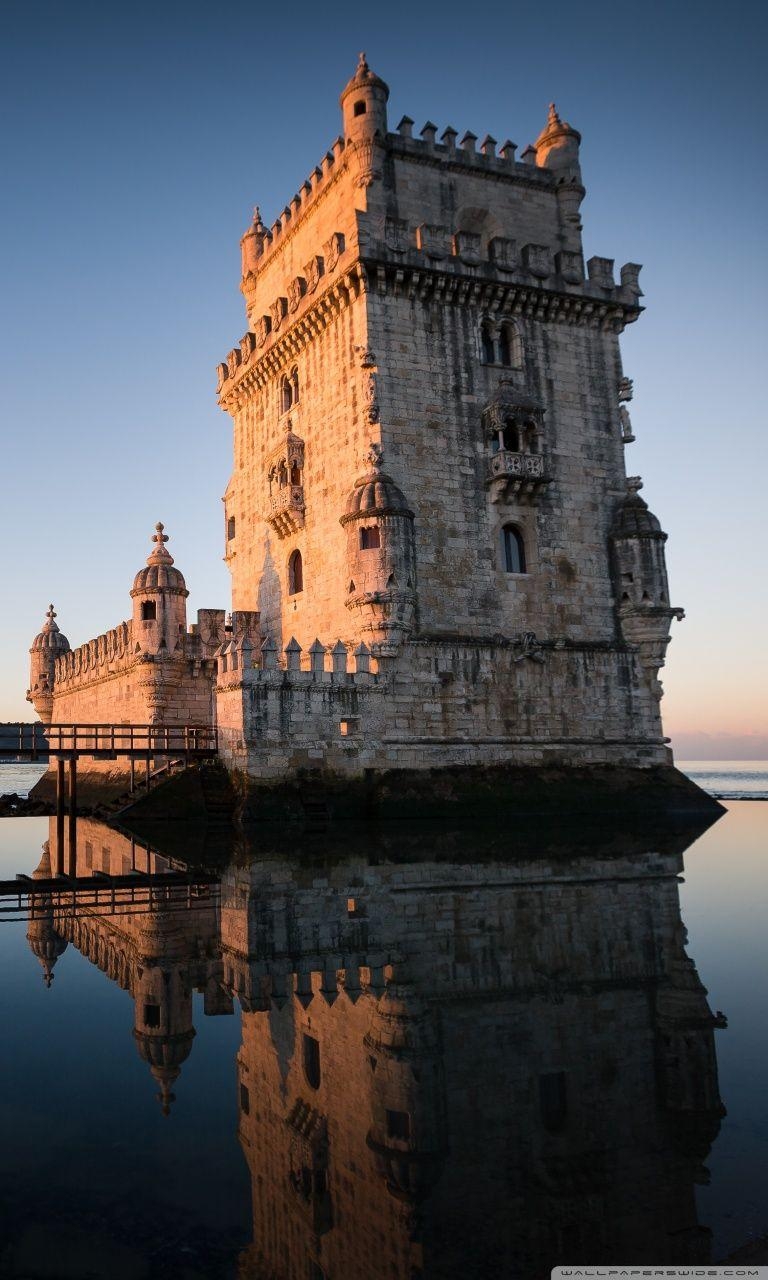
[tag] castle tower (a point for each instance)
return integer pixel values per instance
(159, 595)
(162, 996)
(428, 299)
(48, 645)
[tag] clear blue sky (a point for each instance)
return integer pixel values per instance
(135, 141)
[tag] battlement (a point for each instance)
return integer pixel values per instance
(240, 661)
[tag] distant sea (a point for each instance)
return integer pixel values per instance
(726, 779)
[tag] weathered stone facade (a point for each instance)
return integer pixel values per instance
(429, 484)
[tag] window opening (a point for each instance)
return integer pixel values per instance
(311, 1059)
(359, 109)
(148, 611)
(398, 1125)
(370, 537)
(151, 1015)
(514, 549)
(230, 528)
(295, 574)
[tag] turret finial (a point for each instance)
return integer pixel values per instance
(553, 117)
(158, 554)
(362, 64)
(51, 612)
(257, 222)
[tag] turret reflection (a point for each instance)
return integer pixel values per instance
(159, 944)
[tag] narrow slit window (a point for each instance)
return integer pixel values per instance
(513, 549)
(230, 528)
(311, 1059)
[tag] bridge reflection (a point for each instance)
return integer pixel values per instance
(467, 1057)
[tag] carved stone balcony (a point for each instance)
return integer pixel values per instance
(285, 511)
(519, 474)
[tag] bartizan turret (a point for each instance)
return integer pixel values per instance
(557, 148)
(381, 559)
(640, 580)
(364, 113)
(48, 645)
(159, 595)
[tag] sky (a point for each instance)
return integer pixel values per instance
(134, 142)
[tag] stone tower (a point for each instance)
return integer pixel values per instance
(48, 645)
(429, 435)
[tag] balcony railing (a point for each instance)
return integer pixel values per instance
(505, 463)
(285, 511)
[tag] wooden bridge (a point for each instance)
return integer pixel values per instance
(107, 741)
(68, 743)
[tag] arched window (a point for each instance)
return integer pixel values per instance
(513, 549)
(148, 611)
(510, 436)
(230, 528)
(289, 390)
(487, 348)
(510, 345)
(295, 574)
(295, 473)
(370, 537)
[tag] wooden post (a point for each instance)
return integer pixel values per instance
(146, 778)
(133, 774)
(73, 815)
(59, 815)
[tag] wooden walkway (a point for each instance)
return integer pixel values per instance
(107, 741)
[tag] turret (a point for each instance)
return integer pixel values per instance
(44, 940)
(252, 244)
(381, 558)
(557, 148)
(47, 646)
(163, 1027)
(640, 579)
(159, 597)
(364, 116)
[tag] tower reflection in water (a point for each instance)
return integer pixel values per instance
(463, 1059)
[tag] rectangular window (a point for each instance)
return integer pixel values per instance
(151, 1015)
(398, 1125)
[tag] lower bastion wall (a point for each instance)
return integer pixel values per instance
(437, 703)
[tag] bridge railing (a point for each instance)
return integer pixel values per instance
(191, 741)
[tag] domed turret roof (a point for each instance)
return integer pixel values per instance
(364, 78)
(50, 638)
(375, 494)
(160, 574)
(632, 518)
(556, 130)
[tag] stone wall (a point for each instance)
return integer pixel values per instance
(448, 702)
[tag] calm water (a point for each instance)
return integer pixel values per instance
(404, 1055)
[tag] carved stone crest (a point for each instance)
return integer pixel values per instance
(570, 266)
(262, 330)
(396, 235)
(296, 290)
(367, 357)
(333, 249)
(432, 240)
(313, 271)
(537, 259)
(466, 245)
(233, 361)
(278, 312)
(503, 253)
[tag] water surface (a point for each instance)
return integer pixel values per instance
(409, 1055)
